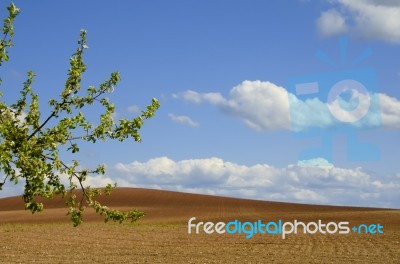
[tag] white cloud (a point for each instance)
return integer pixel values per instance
(184, 120)
(264, 106)
(304, 194)
(261, 105)
(371, 19)
(390, 110)
(314, 184)
(318, 162)
(331, 23)
(197, 98)
(133, 109)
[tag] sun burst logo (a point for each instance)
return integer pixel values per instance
(344, 101)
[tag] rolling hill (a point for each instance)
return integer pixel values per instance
(172, 207)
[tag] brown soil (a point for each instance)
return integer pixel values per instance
(162, 237)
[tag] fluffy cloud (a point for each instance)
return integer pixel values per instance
(264, 106)
(331, 23)
(295, 183)
(372, 19)
(184, 120)
(390, 110)
(261, 105)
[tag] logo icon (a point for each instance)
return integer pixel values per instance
(343, 102)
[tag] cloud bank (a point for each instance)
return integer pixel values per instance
(264, 106)
(313, 181)
(370, 19)
(323, 184)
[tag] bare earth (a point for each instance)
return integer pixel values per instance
(162, 237)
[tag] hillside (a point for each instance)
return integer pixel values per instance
(168, 206)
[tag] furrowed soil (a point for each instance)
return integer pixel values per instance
(162, 235)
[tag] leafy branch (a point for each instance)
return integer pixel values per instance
(30, 146)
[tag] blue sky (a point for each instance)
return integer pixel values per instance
(223, 73)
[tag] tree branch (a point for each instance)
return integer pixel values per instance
(42, 125)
